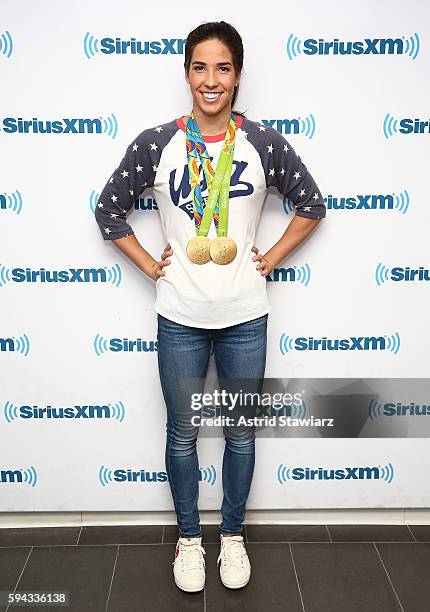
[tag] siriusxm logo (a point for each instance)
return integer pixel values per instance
(353, 343)
(400, 273)
(117, 345)
(12, 202)
(383, 201)
(19, 345)
(368, 46)
(108, 476)
(304, 126)
(6, 44)
(407, 125)
(26, 412)
(19, 475)
(385, 472)
(146, 204)
(294, 274)
(95, 125)
(296, 411)
(140, 203)
(391, 409)
(131, 46)
(71, 275)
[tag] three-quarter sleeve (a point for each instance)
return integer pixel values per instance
(134, 174)
(289, 175)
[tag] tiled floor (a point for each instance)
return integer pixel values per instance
(295, 568)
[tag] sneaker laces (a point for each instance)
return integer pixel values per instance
(190, 556)
(232, 551)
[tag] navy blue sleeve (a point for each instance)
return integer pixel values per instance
(135, 173)
(284, 170)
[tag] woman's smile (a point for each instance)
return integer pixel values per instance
(211, 97)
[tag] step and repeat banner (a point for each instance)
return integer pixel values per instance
(82, 416)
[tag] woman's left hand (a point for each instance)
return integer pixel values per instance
(264, 266)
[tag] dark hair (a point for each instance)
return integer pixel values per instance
(224, 32)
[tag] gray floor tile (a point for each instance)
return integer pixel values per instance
(12, 560)
(143, 582)
(122, 534)
(38, 536)
(421, 532)
(83, 571)
(343, 578)
(408, 568)
(287, 533)
(370, 533)
(272, 586)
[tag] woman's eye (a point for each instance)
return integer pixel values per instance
(222, 68)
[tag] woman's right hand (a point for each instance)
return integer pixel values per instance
(157, 268)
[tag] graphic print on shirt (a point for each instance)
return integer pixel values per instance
(181, 190)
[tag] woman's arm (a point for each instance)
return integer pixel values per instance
(285, 170)
(134, 174)
(130, 246)
(298, 229)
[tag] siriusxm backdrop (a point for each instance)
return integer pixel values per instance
(82, 419)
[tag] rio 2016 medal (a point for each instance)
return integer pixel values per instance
(223, 250)
(201, 249)
(198, 249)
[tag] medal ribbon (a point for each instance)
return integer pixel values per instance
(218, 182)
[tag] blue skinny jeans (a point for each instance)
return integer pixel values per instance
(183, 358)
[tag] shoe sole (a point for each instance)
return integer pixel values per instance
(236, 585)
(195, 590)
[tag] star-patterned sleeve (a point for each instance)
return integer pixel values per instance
(285, 170)
(293, 180)
(134, 174)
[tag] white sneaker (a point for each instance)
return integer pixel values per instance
(235, 568)
(189, 564)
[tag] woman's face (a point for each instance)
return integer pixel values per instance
(212, 77)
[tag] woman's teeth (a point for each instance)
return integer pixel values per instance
(211, 96)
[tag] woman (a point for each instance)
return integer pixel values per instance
(203, 299)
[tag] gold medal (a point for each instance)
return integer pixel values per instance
(198, 249)
(201, 249)
(223, 250)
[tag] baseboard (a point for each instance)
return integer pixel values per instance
(393, 516)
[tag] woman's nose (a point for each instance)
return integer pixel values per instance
(211, 79)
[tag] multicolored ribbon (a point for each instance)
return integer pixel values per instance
(218, 183)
